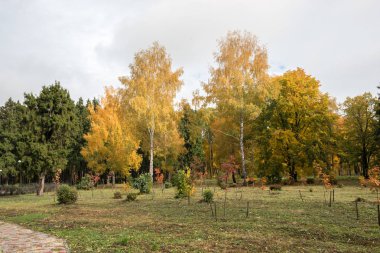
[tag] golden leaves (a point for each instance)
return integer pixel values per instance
(111, 143)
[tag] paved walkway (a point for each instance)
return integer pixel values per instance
(16, 239)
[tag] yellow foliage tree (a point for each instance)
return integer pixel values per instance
(111, 143)
(300, 123)
(149, 94)
(239, 85)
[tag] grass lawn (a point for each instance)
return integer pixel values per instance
(278, 222)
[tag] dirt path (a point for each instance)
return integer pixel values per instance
(16, 239)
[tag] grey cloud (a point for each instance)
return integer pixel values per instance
(89, 44)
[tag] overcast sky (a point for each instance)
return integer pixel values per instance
(87, 45)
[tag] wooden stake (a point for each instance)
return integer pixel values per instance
(224, 205)
(333, 195)
(357, 210)
(216, 218)
(212, 211)
(324, 195)
(378, 214)
(247, 208)
(300, 195)
(330, 198)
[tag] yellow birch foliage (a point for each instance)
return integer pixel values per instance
(149, 95)
(240, 85)
(111, 143)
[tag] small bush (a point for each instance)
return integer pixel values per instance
(232, 185)
(310, 180)
(184, 184)
(333, 180)
(311, 190)
(208, 196)
(85, 183)
(287, 181)
(223, 185)
(168, 185)
(359, 199)
(274, 179)
(174, 180)
(275, 187)
(66, 194)
(143, 183)
(117, 195)
(131, 196)
(340, 185)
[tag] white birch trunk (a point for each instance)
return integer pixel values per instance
(242, 149)
(151, 136)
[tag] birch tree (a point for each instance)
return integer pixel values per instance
(239, 84)
(149, 93)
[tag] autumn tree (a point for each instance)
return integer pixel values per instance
(360, 128)
(239, 84)
(111, 143)
(378, 125)
(300, 123)
(170, 143)
(149, 94)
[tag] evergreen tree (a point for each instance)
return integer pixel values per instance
(50, 131)
(10, 136)
(77, 165)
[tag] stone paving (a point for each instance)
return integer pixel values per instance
(16, 239)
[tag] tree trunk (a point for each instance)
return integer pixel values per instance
(242, 150)
(292, 171)
(151, 136)
(233, 177)
(113, 178)
(41, 184)
(364, 162)
(210, 153)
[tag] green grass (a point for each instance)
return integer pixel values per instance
(277, 222)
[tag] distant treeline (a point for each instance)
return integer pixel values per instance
(248, 123)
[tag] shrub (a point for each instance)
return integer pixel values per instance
(287, 181)
(310, 180)
(184, 184)
(66, 194)
(11, 190)
(143, 183)
(131, 196)
(275, 187)
(232, 185)
(222, 183)
(333, 180)
(340, 185)
(117, 195)
(85, 183)
(168, 185)
(208, 196)
(311, 190)
(274, 179)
